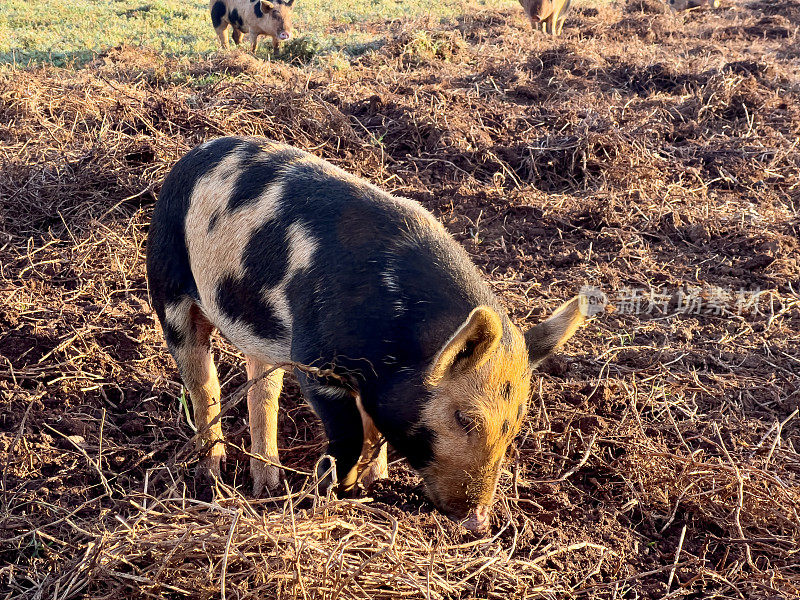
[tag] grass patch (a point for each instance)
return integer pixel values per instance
(70, 32)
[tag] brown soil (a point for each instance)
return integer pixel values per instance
(641, 150)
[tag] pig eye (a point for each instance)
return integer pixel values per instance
(275, 14)
(467, 424)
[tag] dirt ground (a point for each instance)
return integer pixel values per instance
(651, 155)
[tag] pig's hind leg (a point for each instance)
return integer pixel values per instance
(188, 335)
(262, 404)
(220, 23)
(223, 37)
(236, 34)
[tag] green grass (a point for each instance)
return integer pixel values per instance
(72, 31)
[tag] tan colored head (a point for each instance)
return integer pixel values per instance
(539, 10)
(479, 386)
(278, 15)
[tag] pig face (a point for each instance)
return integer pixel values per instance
(479, 389)
(540, 9)
(479, 386)
(277, 17)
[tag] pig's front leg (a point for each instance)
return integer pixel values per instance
(336, 408)
(253, 42)
(372, 464)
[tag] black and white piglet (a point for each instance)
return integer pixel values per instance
(293, 259)
(253, 17)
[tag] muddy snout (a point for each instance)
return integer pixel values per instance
(477, 519)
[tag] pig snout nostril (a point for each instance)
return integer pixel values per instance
(477, 519)
(284, 35)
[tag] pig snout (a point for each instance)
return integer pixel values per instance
(284, 35)
(477, 519)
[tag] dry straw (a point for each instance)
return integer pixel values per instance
(643, 150)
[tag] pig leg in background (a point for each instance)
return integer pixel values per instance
(562, 16)
(218, 20)
(236, 34)
(337, 409)
(253, 42)
(191, 349)
(222, 35)
(550, 24)
(262, 404)
(372, 464)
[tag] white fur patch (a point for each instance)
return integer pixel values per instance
(218, 254)
(333, 392)
(389, 279)
(302, 247)
(177, 315)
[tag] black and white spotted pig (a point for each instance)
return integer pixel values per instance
(292, 259)
(253, 17)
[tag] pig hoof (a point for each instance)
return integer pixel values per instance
(265, 476)
(209, 468)
(373, 473)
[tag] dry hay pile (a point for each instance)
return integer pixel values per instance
(643, 150)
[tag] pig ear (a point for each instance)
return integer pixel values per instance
(549, 335)
(266, 6)
(288, 2)
(470, 347)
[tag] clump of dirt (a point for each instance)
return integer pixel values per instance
(650, 7)
(403, 492)
(648, 154)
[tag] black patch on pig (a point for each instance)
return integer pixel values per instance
(217, 12)
(173, 336)
(258, 171)
(240, 301)
(419, 449)
(212, 221)
(257, 8)
(266, 256)
(235, 18)
(168, 271)
(265, 262)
